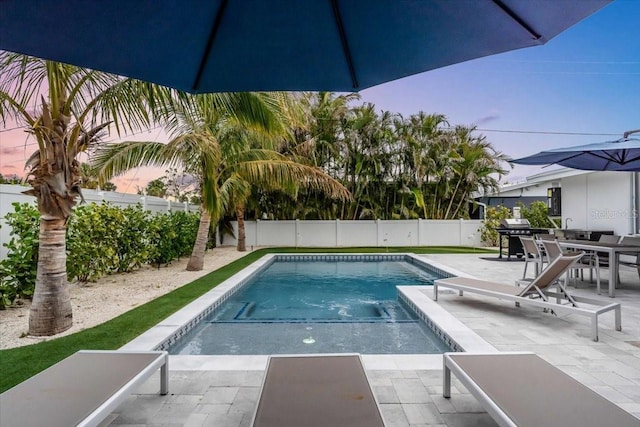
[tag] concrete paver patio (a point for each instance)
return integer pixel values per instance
(413, 397)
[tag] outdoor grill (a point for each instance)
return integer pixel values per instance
(512, 229)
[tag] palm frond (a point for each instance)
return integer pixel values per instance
(277, 174)
(115, 159)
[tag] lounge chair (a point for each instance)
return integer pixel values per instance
(522, 389)
(81, 390)
(316, 391)
(537, 293)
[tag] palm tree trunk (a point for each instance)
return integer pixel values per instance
(196, 262)
(446, 214)
(51, 311)
(242, 233)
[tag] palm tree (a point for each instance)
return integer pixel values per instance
(424, 158)
(479, 168)
(255, 162)
(65, 109)
(206, 143)
(89, 179)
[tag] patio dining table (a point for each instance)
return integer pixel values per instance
(613, 249)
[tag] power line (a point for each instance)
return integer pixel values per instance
(534, 132)
(10, 129)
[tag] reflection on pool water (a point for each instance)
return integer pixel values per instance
(295, 307)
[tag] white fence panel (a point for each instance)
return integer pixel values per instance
(470, 233)
(276, 233)
(336, 233)
(398, 233)
(360, 233)
(10, 194)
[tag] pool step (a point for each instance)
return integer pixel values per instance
(245, 311)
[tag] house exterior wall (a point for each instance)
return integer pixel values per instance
(598, 201)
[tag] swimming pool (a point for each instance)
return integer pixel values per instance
(310, 304)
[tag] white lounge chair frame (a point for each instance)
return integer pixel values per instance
(73, 381)
(537, 293)
(520, 389)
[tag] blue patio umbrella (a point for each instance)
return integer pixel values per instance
(262, 45)
(620, 155)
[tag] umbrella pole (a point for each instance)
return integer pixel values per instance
(635, 202)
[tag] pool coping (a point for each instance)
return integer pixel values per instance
(443, 323)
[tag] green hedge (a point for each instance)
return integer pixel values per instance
(101, 239)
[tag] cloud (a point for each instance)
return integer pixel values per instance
(11, 151)
(486, 119)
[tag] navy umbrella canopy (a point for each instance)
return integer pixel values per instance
(262, 45)
(620, 155)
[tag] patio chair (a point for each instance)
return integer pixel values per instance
(531, 254)
(546, 236)
(588, 261)
(537, 293)
(316, 391)
(628, 259)
(602, 258)
(81, 390)
(522, 389)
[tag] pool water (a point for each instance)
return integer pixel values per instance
(296, 307)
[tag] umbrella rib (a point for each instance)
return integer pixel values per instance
(207, 52)
(633, 159)
(519, 20)
(345, 43)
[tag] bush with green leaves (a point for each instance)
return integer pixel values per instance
(494, 215)
(101, 239)
(187, 225)
(132, 230)
(172, 236)
(537, 213)
(18, 270)
(162, 236)
(92, 241)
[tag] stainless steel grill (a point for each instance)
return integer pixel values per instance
(512, 229)
(514, 224)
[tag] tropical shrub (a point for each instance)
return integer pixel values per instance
(92, 242)
(494, 215)
(18, 270)
(187, 225)
(101, 239)
(537, 213)
(132, 232)
(171, 236)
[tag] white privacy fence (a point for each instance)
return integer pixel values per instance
(293, 233)
(10, 194)
(380, 233)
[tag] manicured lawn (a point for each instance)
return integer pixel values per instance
(20, 363)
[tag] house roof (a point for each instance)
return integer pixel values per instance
(535, 181)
